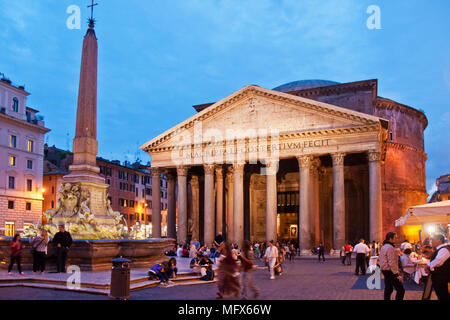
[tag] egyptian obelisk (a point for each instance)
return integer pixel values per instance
(84, 171)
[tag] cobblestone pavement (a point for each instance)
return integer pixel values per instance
(304, 279)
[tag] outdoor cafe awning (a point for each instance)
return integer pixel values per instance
(435, 212)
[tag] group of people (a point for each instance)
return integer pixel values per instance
(39, 246)
(395, 261)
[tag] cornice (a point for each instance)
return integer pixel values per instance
(388, 104)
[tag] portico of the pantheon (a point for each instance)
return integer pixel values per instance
(275, 165)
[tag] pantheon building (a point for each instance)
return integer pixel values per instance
(309, 161)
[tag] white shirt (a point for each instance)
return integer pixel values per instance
(271, 252)
(441, 257)
(179, 250)
(361, 248)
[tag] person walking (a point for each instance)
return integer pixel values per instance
(321, 250)
(362, 251)
(39, 247)
(247, 272)
(388, 261)
(271, 256)
(227, 281)
(63, 242)
(15, 247)
(440, 267)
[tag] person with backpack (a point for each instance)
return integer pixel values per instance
(16, 250)
(39, 247)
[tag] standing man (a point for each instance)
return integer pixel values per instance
(321, 251)
(362, 250)
(196, 244)
(271, 256)
(440, 267)
(389, 267)
(63, 241)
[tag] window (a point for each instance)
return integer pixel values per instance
(12, 161)
(29, 185)
(30, 165)
(15, 105)
(13, 141)
(391, 136)
(53, 190)
(30, 145)
(28, 206)
(143, 193)
(10, 204)
(12, 183)
(123, 203)
(9, 229)
(53, 204)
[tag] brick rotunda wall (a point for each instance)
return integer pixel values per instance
(404, 181)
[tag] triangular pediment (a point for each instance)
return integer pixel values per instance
(253, 110)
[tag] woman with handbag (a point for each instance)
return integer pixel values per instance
(39, 246)
(16, 250)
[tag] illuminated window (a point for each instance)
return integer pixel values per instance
(15, 105)
(30, 146)
(12, 161)
(9, 229)
(13, 141)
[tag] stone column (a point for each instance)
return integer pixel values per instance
(375, 208)
(171, 206)
(304, 163)
(338, 201)
(238, 203)
(219, 199)
(230, 203)
(156, 202)
(314, 201)
(195, 187)
(209, 227)
(271, 200)
(182, 204)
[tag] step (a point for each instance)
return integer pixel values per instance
(55, 287)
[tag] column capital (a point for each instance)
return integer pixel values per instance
(338, 158)
(209, 169)
(373, 155)
(238, 167)
(271, 167)
(219, 172)
(229, 176)
(304, 161)
(182, 170)
(156, 172)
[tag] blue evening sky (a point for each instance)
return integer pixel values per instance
(158, 58)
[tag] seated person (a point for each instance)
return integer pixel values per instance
(407, 265)
(179, 250)
(185, 252)
(172, 268)
(195, 263)
(158, 272)
(206, 270)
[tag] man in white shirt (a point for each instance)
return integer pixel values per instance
(440, 267)
(361, 250)
(271, 255)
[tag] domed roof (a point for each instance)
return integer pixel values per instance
(304, 84)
